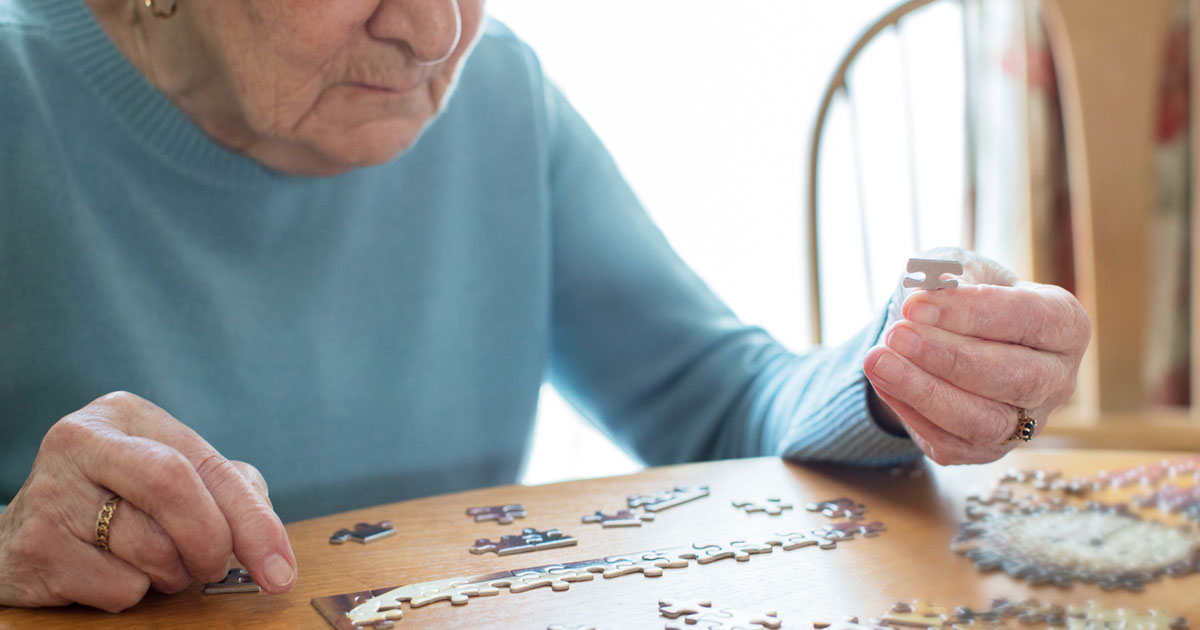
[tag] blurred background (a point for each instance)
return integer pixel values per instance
(983, 123)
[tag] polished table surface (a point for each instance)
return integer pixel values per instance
(911, 560)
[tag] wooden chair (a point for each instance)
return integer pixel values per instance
(1109, 59)
(838, 90)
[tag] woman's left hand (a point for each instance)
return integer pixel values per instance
(962, 363)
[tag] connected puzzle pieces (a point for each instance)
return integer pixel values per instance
(363, 533)
(502, 514)
(933, 271)
(664, 499)
(623, 518)
(773, 506)
(838, 508)
(529, 540)
(701, 614)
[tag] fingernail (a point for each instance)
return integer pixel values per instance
(279, 571)
(888, 368)
(904, 341)
(924, 313)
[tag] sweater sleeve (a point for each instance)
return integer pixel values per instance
(645, 350)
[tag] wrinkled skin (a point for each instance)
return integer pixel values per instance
(958, 366)
(185, 509)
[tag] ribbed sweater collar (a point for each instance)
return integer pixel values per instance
(150, 119)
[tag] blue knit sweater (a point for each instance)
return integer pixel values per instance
(377, 335)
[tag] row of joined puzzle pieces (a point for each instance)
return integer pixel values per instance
(372, 608)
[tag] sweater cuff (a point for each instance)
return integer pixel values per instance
(845, 431)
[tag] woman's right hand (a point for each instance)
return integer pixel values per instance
(184, 509)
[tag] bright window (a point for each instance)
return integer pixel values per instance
(707, 107)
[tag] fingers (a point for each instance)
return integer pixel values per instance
(938, 444)
(976, 420)
(45, 569)
(259, 538)
(256, 534)
(1008, 373)
(253, 476)
(143, 543)
(208, 505)
(160, 482)
(1039, 316)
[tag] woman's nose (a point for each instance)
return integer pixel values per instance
(431, 29)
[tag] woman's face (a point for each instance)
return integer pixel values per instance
(348, 82)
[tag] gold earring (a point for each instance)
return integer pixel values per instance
(161, 13)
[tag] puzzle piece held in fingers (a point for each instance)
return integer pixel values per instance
(236, 581)
(933, 270)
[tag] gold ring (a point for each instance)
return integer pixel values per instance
(1025, 427)
(102, 519)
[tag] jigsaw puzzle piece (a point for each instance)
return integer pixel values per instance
(529, 540)
(838, 508)
(734, 619)
(850, 623)
(741, 551)
(795, 540)
(847, 529)
(675, 608)
(649, 564)
(236, 581)
(700, 614)
(623, 518)
(664, 499)
(933, 271)
(558, 577)
(387, 606)
(916, 616)
(363, 533)
(773, 506)
(502, 514)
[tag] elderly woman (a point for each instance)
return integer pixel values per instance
(273, 222)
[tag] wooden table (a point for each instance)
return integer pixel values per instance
(863, 577)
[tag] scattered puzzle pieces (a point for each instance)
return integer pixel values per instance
(363, 533)
(623, 518)
(773, 506)
(664, 499)
(933, 271)
(236, 581)
(502, 514)
(529, 540)
(838, 508)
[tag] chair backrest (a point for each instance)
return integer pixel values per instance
(1109, 58)
(840, 90)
